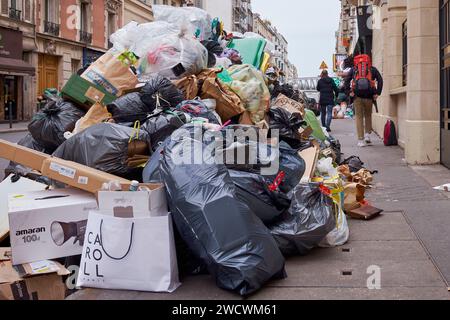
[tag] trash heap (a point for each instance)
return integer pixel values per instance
(99, 182)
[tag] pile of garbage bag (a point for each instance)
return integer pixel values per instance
(249, 182)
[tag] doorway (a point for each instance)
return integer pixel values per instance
(47, 72)
(445, 81)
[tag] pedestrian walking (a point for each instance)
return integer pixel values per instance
(328, 93)
(366, 87)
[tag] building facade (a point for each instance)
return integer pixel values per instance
(411, 48)
(347, 34)
(17, 73)
(137, 10)
(236, 15)
(70, 34)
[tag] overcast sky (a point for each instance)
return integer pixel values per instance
(308, 25)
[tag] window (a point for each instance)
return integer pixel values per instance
(111, 26)
(84, 16)
(405, 52)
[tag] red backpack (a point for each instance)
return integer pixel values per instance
(390, 134)
(363, 83)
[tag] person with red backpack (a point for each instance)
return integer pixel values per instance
(366, 87)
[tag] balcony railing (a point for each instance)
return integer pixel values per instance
(85, 37)
(15, 14)
(51, 28)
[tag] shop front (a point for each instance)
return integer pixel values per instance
(445, 81)
(13, 72)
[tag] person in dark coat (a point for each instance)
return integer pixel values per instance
(328, 93)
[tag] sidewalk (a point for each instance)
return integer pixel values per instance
(390, 242)
(16, 127)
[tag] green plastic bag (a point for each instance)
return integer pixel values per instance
(314, 123)
(251, 50)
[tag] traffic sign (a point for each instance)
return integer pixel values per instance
(323, 66)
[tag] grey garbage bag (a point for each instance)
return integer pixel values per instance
(307, 222)
(220, 229)
(162, 125)
(104, 147)
(129, 108)
(49, 125)
(254, 191)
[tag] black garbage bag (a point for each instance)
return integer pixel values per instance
(161, 126)
(104, 147)
(197, 109)
(49, 125)
(287, 124)
(307, 222)
(162, 91)
(129, 108)
(220, 229)
(354, 163)
(292, 165)
(336, 146)
(254, 191)
(214, 49)
(28, 142)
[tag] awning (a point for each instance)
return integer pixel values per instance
(13, 66)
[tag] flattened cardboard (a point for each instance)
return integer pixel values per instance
(311, 156)
(6, 187)
(22, 155)
(38, 281)
(365, 213)
(290, 105)
(5, 254)
(77, 175)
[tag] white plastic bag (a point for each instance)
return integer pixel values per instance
(325, 166)
(340, 235)
(197, 20)
(173, 55)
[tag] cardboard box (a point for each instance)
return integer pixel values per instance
(22, 155)
(311, 156)
(77, 175)
(7, 187)
(67, 172)
(138, 204)
(48, 224)
(41, 280)
(86, 93)
(290, 105)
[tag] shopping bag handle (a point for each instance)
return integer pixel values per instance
(129, 247)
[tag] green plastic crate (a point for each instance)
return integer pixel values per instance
(85, 93)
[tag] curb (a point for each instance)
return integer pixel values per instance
(3, 131)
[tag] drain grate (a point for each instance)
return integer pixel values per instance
(347, 273)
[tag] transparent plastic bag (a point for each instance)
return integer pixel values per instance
(248, 83)
(173, 55)
(197, 20)
(135, 37)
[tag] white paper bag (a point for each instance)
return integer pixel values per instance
(129, 254)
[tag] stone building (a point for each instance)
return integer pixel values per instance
(410, 46)
(17, 73)
(70, 34)
(236, 15)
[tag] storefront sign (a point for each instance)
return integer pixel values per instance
(11, 45)
(338, 59)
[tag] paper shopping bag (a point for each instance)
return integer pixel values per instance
(129, 254)
(96, 114)
(113, 75)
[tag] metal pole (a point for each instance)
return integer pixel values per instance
(10, 115)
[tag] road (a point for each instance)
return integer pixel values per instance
(13, 137)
